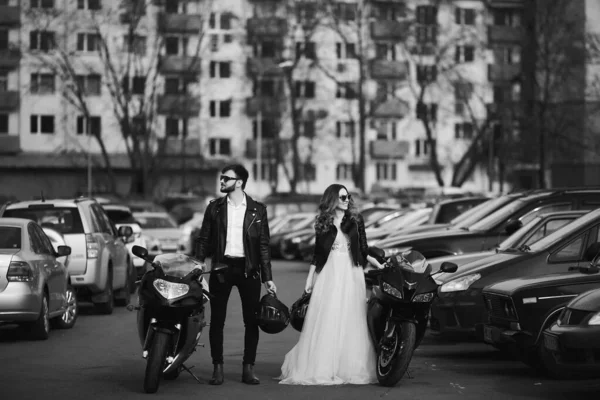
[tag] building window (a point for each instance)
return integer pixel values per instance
(135, 44)
(4, 39)
(464, 16)
(422, 146)
(41, 124)
(308, 172)
(136, 85)
(88, 42)
(345, 11)
(503, 17)
(427, 15)
(386, 129)
(344, 129)
(464, 54)
(220, 147)
(41, 40)
(507, 55)
(218, 69)
(386, 171)
(177, 128)
(3, 81)
(463, 130)
(225, 21)
(269, 128)
(220, 108)
(176, 85)
(266, 87)
(345, 50)
(42, 3)
(427, 111)
(172, 7)
(426, 73)
(212, 21)
(346, 90)
(175, 45)
(42, 84)
(308, 128)
(89, 84)
(306, 12)
(268, 171)
(306, 49)
(305, 89)
(3, 124)
(462, 95)
(385, 51)
(89, 126)
(266, 49)
(343, 172)
(89, 4)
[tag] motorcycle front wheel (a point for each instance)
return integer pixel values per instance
(394, 354)
(156, 361)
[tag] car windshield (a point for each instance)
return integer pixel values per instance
(470, 217)
(176, 265)
(413, 261)
(64, 220)
(565, 231)
(406, 220)
(10, 237)
(155, 222)
(120, 216)
(503, 214)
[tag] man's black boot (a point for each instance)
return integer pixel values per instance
(217, 378)
(248, 376)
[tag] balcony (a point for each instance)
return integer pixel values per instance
(179, 65)
(10, 15)
(173, 146)
(505, 34)
(263, 67)
(178, 105)
(389, 149)
(391, 108)
(270, 148)
(383, 69)
(503, 72)
(180, 23)
(9, 59)
(269, 26)
(10, 144)
(506, 3)
(271, 106)
(389, 30)
(9, 101)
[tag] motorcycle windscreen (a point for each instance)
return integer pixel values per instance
(176, 264)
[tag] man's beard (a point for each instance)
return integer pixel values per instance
(227, 189)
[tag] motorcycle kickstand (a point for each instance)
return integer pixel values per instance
(189, 371)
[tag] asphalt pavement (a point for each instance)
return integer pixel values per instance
(100, 358)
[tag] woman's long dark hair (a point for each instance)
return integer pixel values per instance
(327, 206)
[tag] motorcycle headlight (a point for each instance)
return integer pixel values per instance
(392, 291)
(424, 297)
(460, 284)
(595, 320)
(170, 290)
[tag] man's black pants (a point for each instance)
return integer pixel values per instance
(249, 288)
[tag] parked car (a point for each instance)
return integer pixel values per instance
(491, 230)
(286, 230)
(35, 288)
(161, 231)
(410, 218)
(459, 306)
(520, 309)
(539, 227)
(190, 230)
(121, 215)
(100, 267)
(445, 211)
(572, 343)
(291, 222)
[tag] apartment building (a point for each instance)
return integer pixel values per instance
(217, 76)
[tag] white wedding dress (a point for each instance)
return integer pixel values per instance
(334, 346)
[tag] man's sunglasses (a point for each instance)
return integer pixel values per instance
(344, 197)
(226, 178)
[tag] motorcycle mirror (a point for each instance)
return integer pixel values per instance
(376, 252)
(448, 267)
(140, 251)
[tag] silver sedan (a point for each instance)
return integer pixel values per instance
(34, 284)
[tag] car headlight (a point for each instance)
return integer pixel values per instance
(392, 291)
(424, 297)
(595, 320)
(460, 284)
(392, 251)
(296, 240)
(170, 290)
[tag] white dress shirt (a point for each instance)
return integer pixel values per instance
(234, 246)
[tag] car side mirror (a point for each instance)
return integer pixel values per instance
(448, 267)
(592, 251)
(62, 251)
(140, 251)
(125, 231)
(512, 226)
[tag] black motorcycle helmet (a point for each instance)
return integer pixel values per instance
(299, 311)
(273, 316)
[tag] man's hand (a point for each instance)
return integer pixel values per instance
(270, 286)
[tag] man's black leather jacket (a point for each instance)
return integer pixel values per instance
(213, 236)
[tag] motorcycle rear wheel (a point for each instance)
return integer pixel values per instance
(156, 362)
(394, 355)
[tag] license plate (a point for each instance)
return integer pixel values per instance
(551, 342)
(487, 334)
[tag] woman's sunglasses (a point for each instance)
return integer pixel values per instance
(226, 178)
(344, 197)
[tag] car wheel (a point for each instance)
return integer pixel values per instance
(67, 320)
(40, 328)
(107, 307)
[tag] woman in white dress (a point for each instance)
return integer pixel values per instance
(334, 346)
